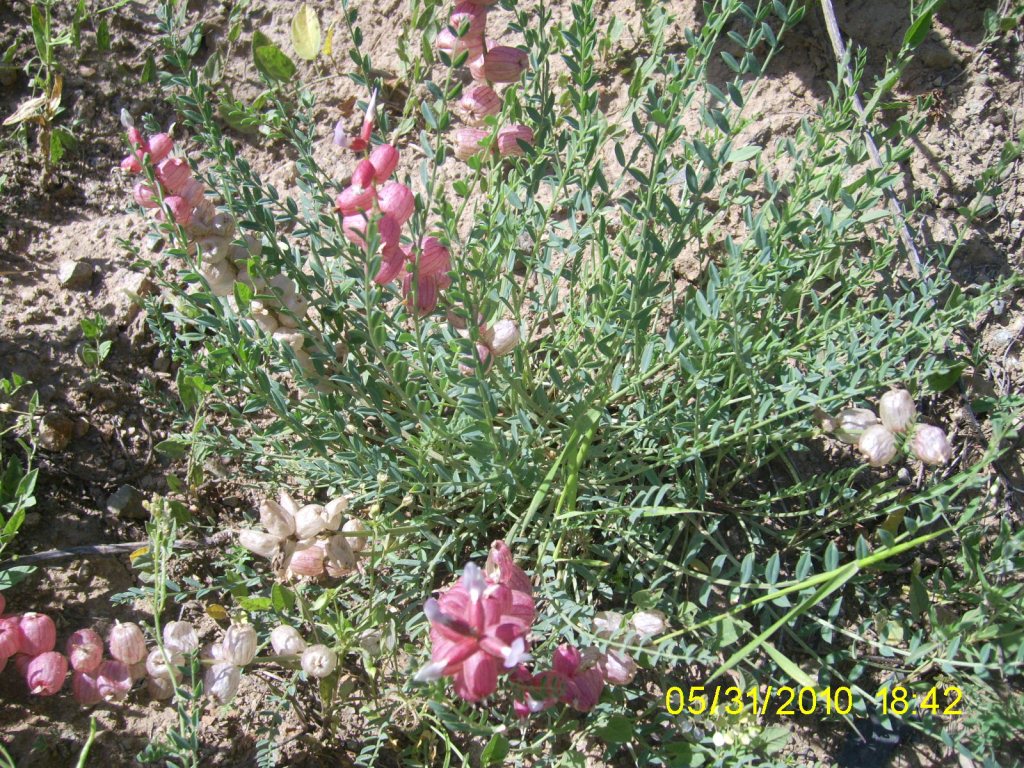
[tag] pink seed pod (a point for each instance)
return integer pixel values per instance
(477, 68)
(21, 662)
(38, 633)
(181, 211)
(131, 164)
(353, 200)
(504, 64)
(307, 562)
(472, 15)
(113, 680)
(468, 142)
(318, 661)
(10, 636)
(221, 682)
(421, 299)
(85, 688)
(286, 641)
(509, 138)
(138, 671)
(145, 195)
(180, 638)
(354, 526)
(878, 445)
(384, 160)
(160, 688)
(897, 410)
(931, 445)
(339, 559)
(390, 231)
(506, 337)
(239, 644)
(433, 258)
(157, 666)
(483, 354)
(397, 199)
(85, 650)
(173, 173)
(127, 643)
(193, 192)
(46, 672)
(354, 228)
(617, 667)
(363, 175)
(479, 101)
(453, 45)
(391, 265)
(160, 146)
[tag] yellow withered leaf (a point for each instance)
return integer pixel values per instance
(216, 612)
(306, 33)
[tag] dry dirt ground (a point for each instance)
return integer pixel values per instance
(105, 428)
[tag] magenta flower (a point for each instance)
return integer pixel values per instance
(474, 635)
(574, 679)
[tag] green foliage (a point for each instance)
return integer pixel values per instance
(95, 349)
(17, 474)
(654, 442)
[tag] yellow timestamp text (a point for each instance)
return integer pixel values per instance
(782, 701)
(938, 700)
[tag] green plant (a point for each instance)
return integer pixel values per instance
(95, 348)
(17, 474)
(653, 443)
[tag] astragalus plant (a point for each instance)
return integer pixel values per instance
(489, 338)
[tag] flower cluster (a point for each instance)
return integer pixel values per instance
(388, 204)
(317, 661)
(306, 541)
(488, 64)
(182, 194)
(480, 629)
(879, 437)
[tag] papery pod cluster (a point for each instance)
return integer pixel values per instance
(310, 542)
(880, 437)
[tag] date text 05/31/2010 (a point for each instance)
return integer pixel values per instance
(790, 701)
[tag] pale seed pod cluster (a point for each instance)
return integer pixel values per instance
(317, 661)
(309, 541)
(616, 665)
(489, 64)
(880, 437)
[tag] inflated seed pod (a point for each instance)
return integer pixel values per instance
(85, 650)
(239, 644)
(127, 643)
(357, 543)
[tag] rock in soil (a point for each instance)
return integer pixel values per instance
(76, 275)
(127, 503)
(55, 432)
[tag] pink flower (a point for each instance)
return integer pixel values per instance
(38, 633)
(453, 45)
(362, 141)
(468, 368)
(10, 636)
(144, 195)
(571, 680)
(354, 227)
(384, 160)
(46, 672)
(474, 637)
(180, 210)
(362, 176)
(502, 569)
(396, 199)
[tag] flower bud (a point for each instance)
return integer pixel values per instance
(160, 146)
(384, 159)
(46, 673)
(319, 661)
(503, 64)
(38, 633)
(468, 142)
(396, 199)
(85, 688)
(355, 543)
(362, 176)
(276, 520)
(509, 138)
(113, 680)
(157, 666)
(478, 101)
(239, 644)
(260, 543)
(145, 195)
(353, 200)
(307, 562)
(878, 445)
(931, 445)
(127, 643)
(85, 650)
(10, 636)
(310, 521)
(897, 410)
(286, 641)
(850, 424)
(172, 173)
(180, 638)
(648, 623)
(221, 682)
(339, 559)
(160, 688)
(506, 337)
